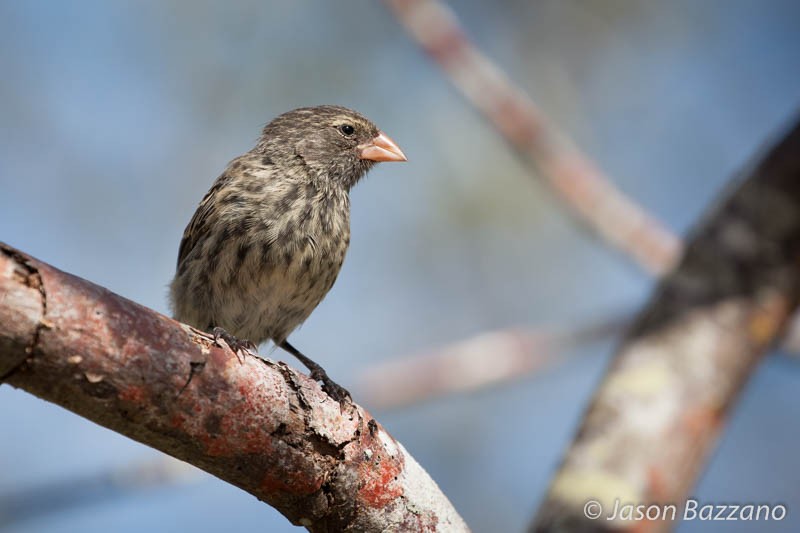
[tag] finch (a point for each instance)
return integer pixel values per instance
(268, 239)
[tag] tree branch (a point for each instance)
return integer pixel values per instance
(464, 366)
(656, 416)
(518, 353)
(579, 183)
(257, 424)
(54, 496)
(575, 178)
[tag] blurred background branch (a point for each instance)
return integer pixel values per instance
(657, 414)
(581, 186)
(494, 359)
(486, 360)
(28, 503)
(576, 179)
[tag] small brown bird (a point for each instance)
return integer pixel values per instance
(268, 239)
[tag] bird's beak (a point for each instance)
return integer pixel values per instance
(381, 148)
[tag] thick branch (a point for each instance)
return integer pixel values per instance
(257, 424)
(655, 418)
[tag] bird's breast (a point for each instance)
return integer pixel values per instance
(297, 267)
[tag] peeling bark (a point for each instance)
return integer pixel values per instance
(257, 424)
(656, 416)
(21, 312)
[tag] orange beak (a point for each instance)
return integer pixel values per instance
(381, 148)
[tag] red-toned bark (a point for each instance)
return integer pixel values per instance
(255, 423)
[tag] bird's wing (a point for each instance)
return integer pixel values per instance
(198, 226)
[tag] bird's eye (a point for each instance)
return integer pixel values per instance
(347, 129)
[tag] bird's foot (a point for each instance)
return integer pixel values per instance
(241, 347)
(332, 389)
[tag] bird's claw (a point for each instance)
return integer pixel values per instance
(332, 389)
(241, 347)
(317, 373)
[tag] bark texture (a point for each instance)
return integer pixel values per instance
(257, 424)
(656, 415)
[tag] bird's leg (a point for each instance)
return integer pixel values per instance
(239, 346)
(333, 389)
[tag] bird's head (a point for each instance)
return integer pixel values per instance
(334, 142)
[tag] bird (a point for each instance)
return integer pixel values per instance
(268, 239)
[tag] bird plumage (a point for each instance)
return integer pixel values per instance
(267, 241)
